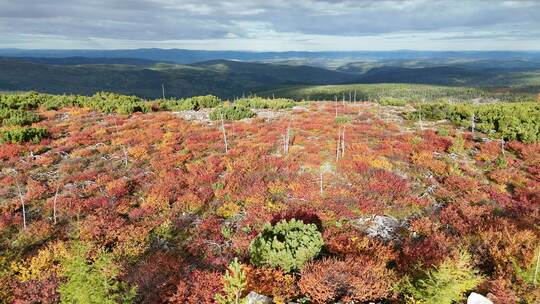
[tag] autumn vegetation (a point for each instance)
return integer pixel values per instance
(115, 199)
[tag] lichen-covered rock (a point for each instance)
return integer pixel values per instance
(255, 298)
(379, 226)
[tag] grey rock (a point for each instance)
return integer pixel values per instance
(475, 298)
(379, 226)
(255, 298)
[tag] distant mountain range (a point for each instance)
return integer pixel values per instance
(192, 56)
(219, 77)
(187, 73)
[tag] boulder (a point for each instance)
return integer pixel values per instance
(379, 226)
(255, 298)
(475, 298)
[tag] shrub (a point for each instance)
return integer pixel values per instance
(391, 101)
(22, 134)
(11, 117)
(235, 282)
(347, 281)
(111, 103)
(511, 121)
(207, 101)
(263, 103)
(446, 284)
(232, 112)
(193, 103)
(92, 282)
(281, 287)
(287, 245)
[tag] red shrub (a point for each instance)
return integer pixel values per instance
(34, 291)
(199, 287)
(353, 279)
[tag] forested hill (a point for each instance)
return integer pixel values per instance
(222, 78)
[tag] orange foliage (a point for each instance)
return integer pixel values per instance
(352, 279)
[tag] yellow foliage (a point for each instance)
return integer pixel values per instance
(42, 265)
(254, 199)
(132, 242)
(381, 163)
(275, 206)
(228, 210)
(374, 162)
(189, 202)
(168, 139)
(277, 187)
(426, 160)
(156, 202)
(137, 152)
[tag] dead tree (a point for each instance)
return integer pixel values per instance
(287, 139)
(343, 142)
(55, 200)
(124, 149)
(338, 145)
(473, 125)
(224, 134)
(21, 196)
(336, 104)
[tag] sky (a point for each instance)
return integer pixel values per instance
(271, 25)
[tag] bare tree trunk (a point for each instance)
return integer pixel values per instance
(321, 181)
(343, 143)
(287, 140)
(224, 134)
(354, 95)
(472, 124)
(338, 145)
(54, 202)
(22, 203)
(124, 150)
(336, 104)
(502, 146)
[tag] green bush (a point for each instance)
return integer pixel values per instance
(193, 103)
(115, 103)
(263, 103)
(231, 112)
(235, 283)
(27, 101)
(59, 102)
(10, 117)
(445, 284)
(391, 101)
(208, 101)
(511, 121)
(92, 281)
(22, 134)
(287, 245)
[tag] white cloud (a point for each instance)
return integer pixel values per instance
(271, 25)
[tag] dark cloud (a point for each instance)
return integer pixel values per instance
(90, 23)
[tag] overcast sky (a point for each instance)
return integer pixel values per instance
(276, 25)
